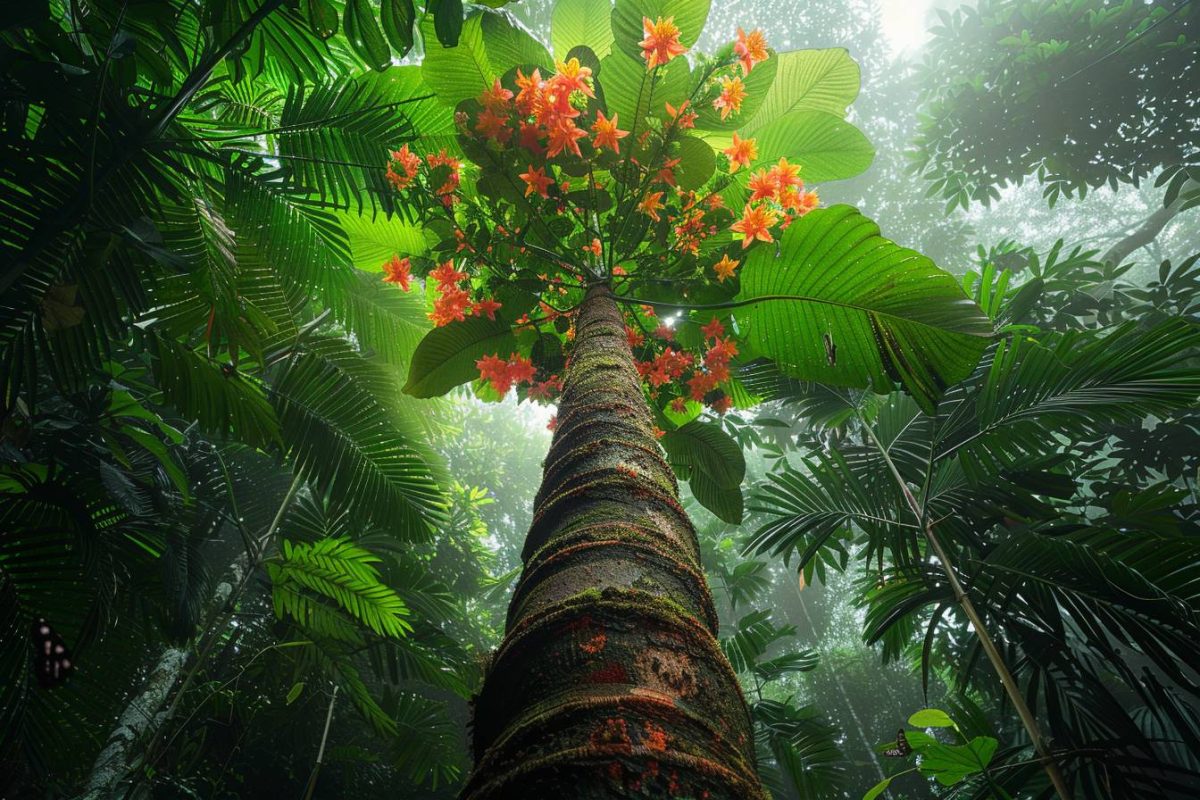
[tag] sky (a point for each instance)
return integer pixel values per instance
(904, 23)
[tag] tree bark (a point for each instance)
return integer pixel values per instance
(610, 682)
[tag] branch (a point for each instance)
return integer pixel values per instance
(1148, 231)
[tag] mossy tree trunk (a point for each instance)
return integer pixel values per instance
(610, 682)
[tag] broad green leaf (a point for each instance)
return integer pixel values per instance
(704, 447)
(825, 146)
(296, 690)
(632, 93)
(697, 162)
(576, 22)
(877, 789)
(446, 357)
(689, 16)
(447, 22)
(931, 718)
(807, 80)
(949, 764)
(362, 31)
(373, 242)
(890, 313)
(714, 464)
(322, 18)
(488, 46)
(459, 72)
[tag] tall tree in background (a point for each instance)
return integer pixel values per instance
(635, 216)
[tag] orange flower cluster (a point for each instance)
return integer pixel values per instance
(504, 373)
(543, 113)
(751, 49)
(402, 168)
(733, 93)
(667, 366)
(454, 302)
(776, 196)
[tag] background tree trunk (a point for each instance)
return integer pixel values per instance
(610, 681)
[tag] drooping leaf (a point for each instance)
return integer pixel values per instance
(446, 357)
(826, 147)
(579, 22)
(892, 314)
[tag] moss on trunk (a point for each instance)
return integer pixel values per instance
(610, 682)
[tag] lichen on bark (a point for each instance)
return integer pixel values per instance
(610, 682)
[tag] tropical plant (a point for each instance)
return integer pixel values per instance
(1010, 505)
(581, 247)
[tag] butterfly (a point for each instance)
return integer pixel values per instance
(51, 659)
(830, 350)
(902, 747)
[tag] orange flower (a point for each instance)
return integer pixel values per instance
(536, 180)
(593, 248)
(763, 186)
(493, 125)
(733, 92)
(444, 160)
(486, 307)
(751, 49)
(564, 135)
(722, 403)
(714, 329)
(679, 405)
(503, 373)
(741, 152)
(572, 77)
(495, 98)
(808, 201)
(635, 337)
(446, 275)
(786, 175)
(450, 307)
(607, 133)
(725, 268)
(700, 384)
(666, 172)
(682, 117)
(529, 90)
(399, 272)
(755, 224)
(662, 41)
(402, 168)
(650, 205)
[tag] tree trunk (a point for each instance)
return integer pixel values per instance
(1147, 232)
(610, 682)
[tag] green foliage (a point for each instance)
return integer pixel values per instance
(1078, 95)
(836, 282)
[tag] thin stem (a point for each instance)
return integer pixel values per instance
(312, 779)
(985, 639)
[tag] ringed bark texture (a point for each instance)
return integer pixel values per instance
(610, 682)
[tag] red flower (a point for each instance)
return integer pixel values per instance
(722, 403)
(650, 205)
(763, 186)
(679, 405)
(487, 307)
(700, 384)
(681, 116)
(564, 135)
(402, 168)
(495, 98)
(725, 268)
(503, 373)
(536, 180)
(572, 77)
(450, 307)
(636, 338)
(662, 41)
(493, 125)
(663, 331)
(399, 272)
(446, 275)
(713, 330)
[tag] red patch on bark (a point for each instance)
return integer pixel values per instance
(595, 644)
(612, 673)
(613, 731)
(655, 738)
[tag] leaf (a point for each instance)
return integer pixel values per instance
(893, 315)
(724, 502)
(447, 22)
(705, 448)
(808, 80)
(877, 789)
(757, 83)
(293, 693)
(826, 147)
(446, 357)
(460, 71)
(931, 718)
(689, 16)
(949, 764)
(322, 18)
(362, 31)
(697, 163)
(576, 22)
(398, 17)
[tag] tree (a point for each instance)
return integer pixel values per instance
(614, 251)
